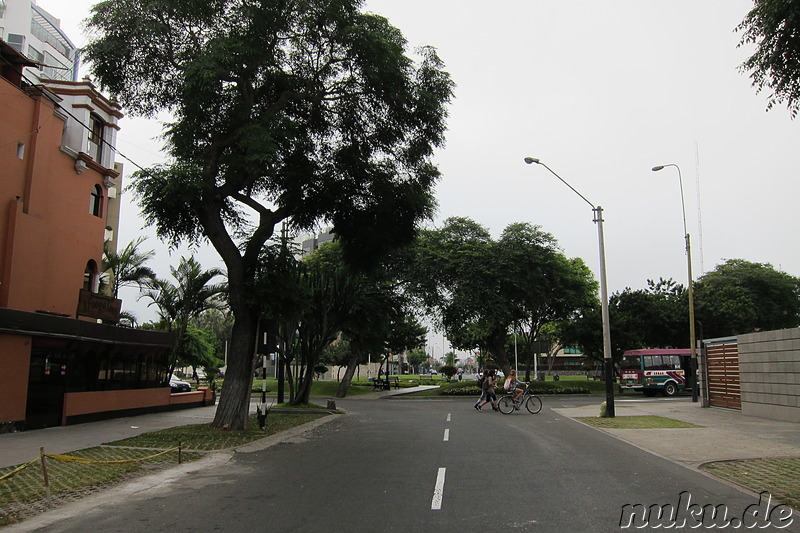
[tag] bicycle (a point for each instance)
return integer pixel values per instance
(532, 403)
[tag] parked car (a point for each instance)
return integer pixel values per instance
(178, 385)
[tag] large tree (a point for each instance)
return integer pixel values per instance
(299, 110)
(774, 27)
(451, 272)
(741, 297)
(542, 284)
(479, 289)
(655, 317)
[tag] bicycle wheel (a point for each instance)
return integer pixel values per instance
(506, 405)
(533, 404)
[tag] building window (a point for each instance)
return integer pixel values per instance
(96, 137)
(17, 42)
(96, 204)
(91, 278)
(36, 55)
(572, 350)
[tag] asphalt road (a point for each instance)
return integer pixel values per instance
(421, 465)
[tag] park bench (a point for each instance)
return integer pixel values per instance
(385, 384)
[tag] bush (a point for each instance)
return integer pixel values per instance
(460, 388)
(449, 371)
(472, 390)
(541, 387)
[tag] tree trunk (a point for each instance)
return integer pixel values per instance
(352, 364)
(234, 403)
(304, 391)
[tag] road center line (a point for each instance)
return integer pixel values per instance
(446, 435)
(448, 417)
(438, 491)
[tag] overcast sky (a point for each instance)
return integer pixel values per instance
(601, 92)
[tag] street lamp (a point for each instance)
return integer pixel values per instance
(692, 339)
(609, 363)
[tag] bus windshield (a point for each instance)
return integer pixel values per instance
(631, 361)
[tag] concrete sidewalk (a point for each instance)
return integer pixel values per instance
(18, 448)
(724, 434)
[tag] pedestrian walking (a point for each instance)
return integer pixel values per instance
(479, 377)
(489, 385)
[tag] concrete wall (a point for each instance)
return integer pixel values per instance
(769, 366)
(81, 403)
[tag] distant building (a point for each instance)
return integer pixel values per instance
(37, 34)
(314, 242)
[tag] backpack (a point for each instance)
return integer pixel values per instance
(507, 385)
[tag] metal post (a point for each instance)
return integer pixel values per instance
(609, 362)
(598, 219)
(692, 337)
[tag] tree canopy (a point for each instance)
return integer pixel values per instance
(306, 111)
(479, 288)
(774, 27)
(740, 296)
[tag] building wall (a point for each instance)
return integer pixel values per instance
(15, 352)
(769, 365)
(47, 45)
(48, 233)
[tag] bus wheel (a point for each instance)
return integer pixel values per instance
(670, 389)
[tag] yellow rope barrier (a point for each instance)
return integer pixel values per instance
(84, 460)
(18, 470)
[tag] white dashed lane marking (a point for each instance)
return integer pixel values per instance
(438, 491)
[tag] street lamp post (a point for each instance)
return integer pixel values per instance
(692, 337)
(598, 219)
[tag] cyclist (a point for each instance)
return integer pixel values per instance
(514, 385)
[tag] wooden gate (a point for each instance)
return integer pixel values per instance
(722, 361)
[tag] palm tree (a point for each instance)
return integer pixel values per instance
(126, 268)
(192, 295)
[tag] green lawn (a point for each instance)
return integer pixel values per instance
(636, 422)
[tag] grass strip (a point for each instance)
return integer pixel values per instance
(24, 495)
(203, 437)
(636, 422)
(780, 477)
